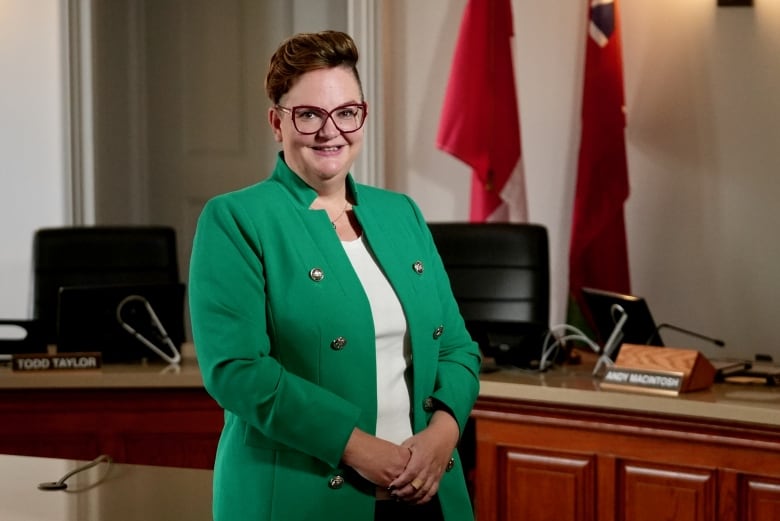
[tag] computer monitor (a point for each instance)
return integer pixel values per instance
(97, 255)
(88, 319)
(638, 327)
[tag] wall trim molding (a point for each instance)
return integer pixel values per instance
(140, 207)
(363, 24)
(80, 171)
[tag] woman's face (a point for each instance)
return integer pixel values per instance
(327, 155)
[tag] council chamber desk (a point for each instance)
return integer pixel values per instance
(138, 414)
(557, 447)
(548, 447)
(114, 492)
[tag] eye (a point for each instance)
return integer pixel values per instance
(308, 114)
(347, 113)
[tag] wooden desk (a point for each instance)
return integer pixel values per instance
(103, 493)
(556, 447)
(548, 447)
(146, 415)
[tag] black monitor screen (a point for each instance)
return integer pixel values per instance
(88, 319)
(639, 328)
(97, 255)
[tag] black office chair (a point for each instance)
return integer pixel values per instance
(500, 275)
(97, 255)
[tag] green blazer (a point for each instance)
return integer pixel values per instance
(285, 341)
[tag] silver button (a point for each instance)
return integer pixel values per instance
(336, 482)
(428, 404)
(438, 332)
(418, 267)
(338, 343)
(316, 274)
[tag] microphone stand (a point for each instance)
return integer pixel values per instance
(61, 483)
(717, 342)
(614, 340)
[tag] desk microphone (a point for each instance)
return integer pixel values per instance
(175, 356)
(717, 342)
(619, 316)
(61, 483)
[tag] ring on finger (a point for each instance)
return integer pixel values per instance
(416, 483)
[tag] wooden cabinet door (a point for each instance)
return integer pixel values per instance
(651, 492)
(760, 498)
(545, 485)
(514, 483)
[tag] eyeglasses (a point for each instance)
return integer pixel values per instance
(310, 120)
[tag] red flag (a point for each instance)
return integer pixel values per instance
(598, 255)
(480, 120)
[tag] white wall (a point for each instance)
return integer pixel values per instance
(33, 155)
(702, 138)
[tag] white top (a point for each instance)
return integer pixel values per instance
(393, 353)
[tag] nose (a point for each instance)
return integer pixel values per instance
(329, 129)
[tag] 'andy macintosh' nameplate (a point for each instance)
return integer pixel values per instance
(664, 370)
(643, 380)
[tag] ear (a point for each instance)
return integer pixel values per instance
(276, 124)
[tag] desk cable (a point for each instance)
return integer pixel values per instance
(571, 333)
(175, 356)
(567, 333)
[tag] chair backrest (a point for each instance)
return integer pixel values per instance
(100, 255)
(500, 275)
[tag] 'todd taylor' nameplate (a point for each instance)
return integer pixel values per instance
(56, 362)
(663, 382)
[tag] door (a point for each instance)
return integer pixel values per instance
(180, 110)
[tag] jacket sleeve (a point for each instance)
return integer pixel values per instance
(457, 373)
(229, 324)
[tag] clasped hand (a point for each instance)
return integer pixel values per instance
(410, 471)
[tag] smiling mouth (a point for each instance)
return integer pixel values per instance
(328, 149)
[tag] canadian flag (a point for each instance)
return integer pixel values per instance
(480, 120)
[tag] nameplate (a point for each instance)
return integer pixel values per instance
(662, 382)
(40, 362)
(667, 370)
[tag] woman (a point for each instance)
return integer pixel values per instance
(310, 297)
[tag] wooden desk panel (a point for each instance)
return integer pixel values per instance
(149, 426)
(541, 461)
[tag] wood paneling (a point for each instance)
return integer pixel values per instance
(645, 489)
(761, 496)
(555, 462)
(544, 486)
(166, 426)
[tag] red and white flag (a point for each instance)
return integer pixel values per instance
(480, 120)
(598, 255)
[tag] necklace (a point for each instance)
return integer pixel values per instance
(340, 215)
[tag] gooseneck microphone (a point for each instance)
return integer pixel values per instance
(175, 356)
(716, 341)
(619, 316)
(61, 485)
